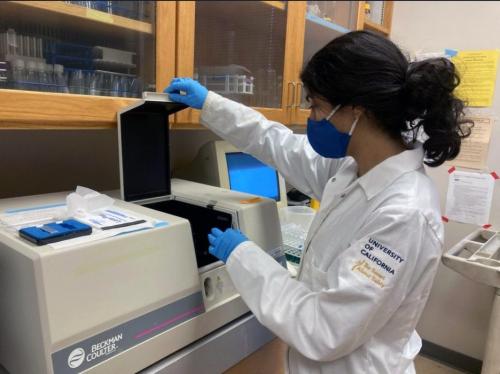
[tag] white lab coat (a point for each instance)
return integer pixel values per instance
(371, 253)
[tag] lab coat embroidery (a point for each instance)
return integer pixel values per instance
(379, 261)
(362, 267)
(386, 250)
(382, 256)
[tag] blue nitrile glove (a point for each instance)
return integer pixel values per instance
(195, 93)
(223, 243)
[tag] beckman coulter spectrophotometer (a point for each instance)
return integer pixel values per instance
(122, 303)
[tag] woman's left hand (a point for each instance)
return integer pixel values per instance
(194, 93)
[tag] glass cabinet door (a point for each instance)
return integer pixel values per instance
(102, 48)
(378, 16)
(374, 11)
(238, 51)
(325, 20)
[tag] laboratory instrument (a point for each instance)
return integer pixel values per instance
(123, 303)
(219, 163)
(477, 257)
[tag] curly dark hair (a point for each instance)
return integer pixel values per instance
(364, 69)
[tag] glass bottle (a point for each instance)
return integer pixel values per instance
(76, 82)
(31, 76)
(12, 49)
(18, 75)
(43, 78)
(60, 79)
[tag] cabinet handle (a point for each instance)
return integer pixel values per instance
(293, 95)
(298, 94)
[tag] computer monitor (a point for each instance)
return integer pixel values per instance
(247, 174)
(219, 163)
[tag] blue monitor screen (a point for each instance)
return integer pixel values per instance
(247, 174)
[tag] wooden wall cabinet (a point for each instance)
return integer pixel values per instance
(249, 51)
(267, 42)
(376, 16)
(69, 34)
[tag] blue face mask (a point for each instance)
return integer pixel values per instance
(326, 140)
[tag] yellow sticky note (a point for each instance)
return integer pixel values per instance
(478, 71)
(253, 200)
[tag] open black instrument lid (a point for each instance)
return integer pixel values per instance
(144, 148)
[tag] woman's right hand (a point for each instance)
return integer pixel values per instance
(194, 94)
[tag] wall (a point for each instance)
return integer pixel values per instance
(34, 162)
(457, 313)
(184, 145)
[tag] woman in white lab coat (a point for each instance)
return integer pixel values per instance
(374, 246)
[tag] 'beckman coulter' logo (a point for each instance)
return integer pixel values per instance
(76, 358)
